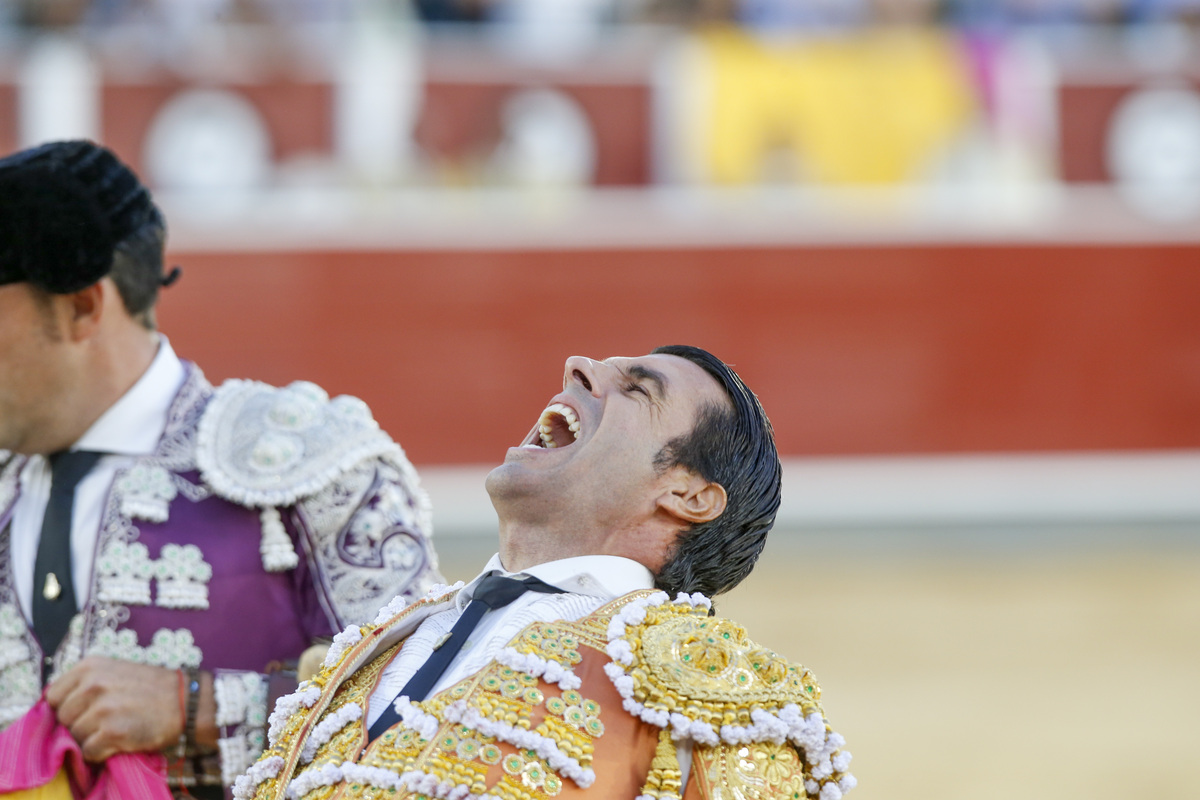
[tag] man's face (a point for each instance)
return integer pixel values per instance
(34, 370)
(589, 462)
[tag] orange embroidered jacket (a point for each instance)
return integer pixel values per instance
(599, 707)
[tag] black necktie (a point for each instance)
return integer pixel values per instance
(494, 591)
(53, 587)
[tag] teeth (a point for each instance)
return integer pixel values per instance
(544, 426)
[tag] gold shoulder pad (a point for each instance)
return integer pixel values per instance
(708, 668)
(703, 679)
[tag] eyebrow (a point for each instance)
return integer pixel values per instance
(638, 372)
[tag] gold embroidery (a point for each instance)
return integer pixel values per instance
(456, 753)
(759, 771)
(554, 642)
(570, 740)
(345, 742)
(684, 659)
(683, 662)
(462, 756)
(592, 630)
(462, 773)
(526, 777)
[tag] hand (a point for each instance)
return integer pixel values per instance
(113, 706)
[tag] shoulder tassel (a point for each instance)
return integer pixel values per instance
(278, 555)
(665, 781)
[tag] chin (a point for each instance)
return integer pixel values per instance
(516, 482)
(499, 482)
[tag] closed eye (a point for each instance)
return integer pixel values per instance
(637, 387)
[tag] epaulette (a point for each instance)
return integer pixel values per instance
(258, 445)
(265, 447)
(701, 678)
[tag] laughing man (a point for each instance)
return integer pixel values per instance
(583, 660)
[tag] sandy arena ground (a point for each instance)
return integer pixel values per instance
(987, 666)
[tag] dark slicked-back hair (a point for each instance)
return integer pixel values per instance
(735, 448)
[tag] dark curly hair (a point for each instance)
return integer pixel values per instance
(734, 447)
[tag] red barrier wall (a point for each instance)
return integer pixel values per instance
(853, 350)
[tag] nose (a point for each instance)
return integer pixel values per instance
(582, 371)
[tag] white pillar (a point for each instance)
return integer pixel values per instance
(58, 92)
(379, 93)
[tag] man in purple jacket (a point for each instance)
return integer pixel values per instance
(164, 545)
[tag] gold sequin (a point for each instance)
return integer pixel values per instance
(533, 774)
(490, 754)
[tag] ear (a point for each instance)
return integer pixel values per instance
(86, 309)
(690, 498)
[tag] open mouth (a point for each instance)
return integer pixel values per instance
(557, 427)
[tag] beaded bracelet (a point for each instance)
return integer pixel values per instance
(193, 702)
(181, 747)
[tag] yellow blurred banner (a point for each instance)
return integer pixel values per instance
(871, 108)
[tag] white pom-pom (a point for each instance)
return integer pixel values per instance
(831, 791)
(394, 607)
(438, 590)
(703, 733)
(349, 637)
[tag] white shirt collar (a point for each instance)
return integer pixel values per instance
(134, 424)
(606, 577)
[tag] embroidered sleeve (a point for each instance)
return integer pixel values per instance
(368, 540)
(242, 719)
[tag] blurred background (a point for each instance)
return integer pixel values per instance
(952, 245)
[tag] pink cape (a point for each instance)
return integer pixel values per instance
(35, 747)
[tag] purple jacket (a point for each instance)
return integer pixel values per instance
(266, 518)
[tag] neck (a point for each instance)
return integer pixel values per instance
(525, 544)
(110, 366)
